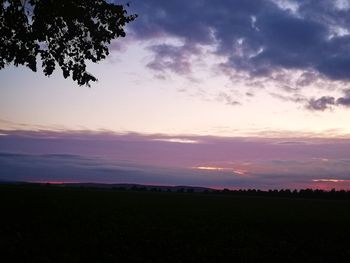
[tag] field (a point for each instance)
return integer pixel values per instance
(53, 224)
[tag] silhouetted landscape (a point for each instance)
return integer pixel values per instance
(174, 131)
(47, 223)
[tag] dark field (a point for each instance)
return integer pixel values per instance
(52, 224)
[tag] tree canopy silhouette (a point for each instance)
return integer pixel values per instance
(64, 33)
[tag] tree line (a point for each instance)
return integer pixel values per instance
(286, 193)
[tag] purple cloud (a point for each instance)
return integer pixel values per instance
(326, 102)
(345, 100)
(172, 58)
(256, 38)
(321, 104)
(174, 160)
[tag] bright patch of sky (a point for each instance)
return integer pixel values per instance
(174, 83)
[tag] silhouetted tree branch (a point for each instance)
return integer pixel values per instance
(64, 33)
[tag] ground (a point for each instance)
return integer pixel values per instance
(53, 224)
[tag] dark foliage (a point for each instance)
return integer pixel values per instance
(287, 193)
(64, 33)
(284, 193)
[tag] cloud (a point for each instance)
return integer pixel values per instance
(256, 37)
(61, 168)
(345, 100)
(176, 140)
(86, 156)
(228, 99)
(326, 102)
(252, 40)
(321, 104)
(69, 168)
(267, 174)
(172, 58)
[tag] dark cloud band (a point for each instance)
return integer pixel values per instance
(255, 37)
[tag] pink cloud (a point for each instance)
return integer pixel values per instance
(200, 160)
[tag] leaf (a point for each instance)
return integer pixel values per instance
(62, 33)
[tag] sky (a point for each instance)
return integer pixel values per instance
(230, 93)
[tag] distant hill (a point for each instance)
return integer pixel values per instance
(284, 193)
(159, 188)
(140, 187)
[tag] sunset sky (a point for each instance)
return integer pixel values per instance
(230, 93)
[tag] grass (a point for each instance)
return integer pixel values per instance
(52, 224)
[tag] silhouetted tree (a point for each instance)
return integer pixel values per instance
(66, 33)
